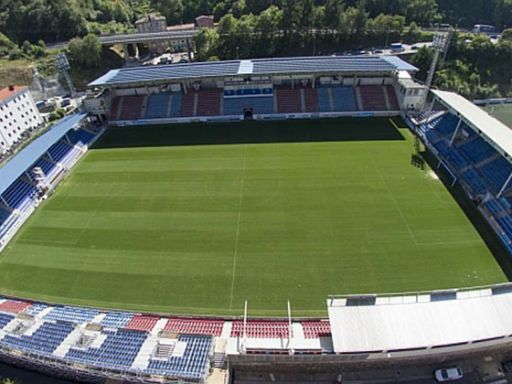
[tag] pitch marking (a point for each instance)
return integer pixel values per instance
(237, 236)
(411, 233)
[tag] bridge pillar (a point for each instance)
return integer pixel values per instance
(136, 51)
(125, 52)
(189, 50)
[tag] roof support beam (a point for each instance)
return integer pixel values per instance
(505, 185)
(456, 131)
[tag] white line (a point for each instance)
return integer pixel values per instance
(411, 233)
(237, 236)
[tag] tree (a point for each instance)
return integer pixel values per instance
(423, 12)
(206, 42)
(86, 52)
(333, 11)
(172, 10)
(507, 35)
(387, 28)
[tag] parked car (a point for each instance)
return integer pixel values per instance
(448, 374)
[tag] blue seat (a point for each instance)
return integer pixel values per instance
(18, 193)
(116, 319)
(59, 151)
(45, 340)
(259, 105)
(72, 314)
(194, 363)
(80, 136)
(177, 99)
(324, 102)
(344, 99)
(157, 106)
(497, 173)
(118, 350)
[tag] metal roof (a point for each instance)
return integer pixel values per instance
(418, 321)
(32, 152)
(497, 133)
(275, 66)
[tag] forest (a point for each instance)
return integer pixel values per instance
(56, 20)
(474, 66)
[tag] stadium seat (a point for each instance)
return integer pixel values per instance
(72, 314)
(208, 103)
(142, 323)
(258, 104)
(193, 365)
(496, 172)
(324, 102)
(195, 326)
(176, 104)
(343, 99)
(316, 329)
(288, 100)
(311, 100)
(261, 329)
(373, 98)
(114, 108)
(14, 306)
(116, 319)
(393, 100)
(44, 340)
(158, 105)
(118, 350)
(187, 104)
(131, 108)
(5, 319)
(19, 194)
(80, 136)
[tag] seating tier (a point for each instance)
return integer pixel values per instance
(373, 98)
(288, 100)
(343, 99)
(158, 104)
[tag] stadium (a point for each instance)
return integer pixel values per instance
(251, 220)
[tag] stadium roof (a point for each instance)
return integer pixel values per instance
(32, 152)
(498, 134)
(276, 66)
(419, 321)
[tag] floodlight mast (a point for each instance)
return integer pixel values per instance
(63, 67)
(439, 45)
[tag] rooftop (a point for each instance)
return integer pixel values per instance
(150, 17)
(417, 321)
(19, 164)
(349, 65)
(497, 134)
(8, 92)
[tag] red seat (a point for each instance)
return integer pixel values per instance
(261, 329)
(195, 326)
(14, 306)
(142, 323)
(316, 329)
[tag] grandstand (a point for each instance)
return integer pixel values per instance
(260, 89)
(474, 146)
(38, 169)
(217, 224)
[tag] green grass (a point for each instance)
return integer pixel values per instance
(502, 112)
(267, 213)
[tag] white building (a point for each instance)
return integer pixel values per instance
(18, 113)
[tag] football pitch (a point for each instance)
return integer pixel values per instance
(196, 219)
(502, 112)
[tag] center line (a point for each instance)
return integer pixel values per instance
(237, 235)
